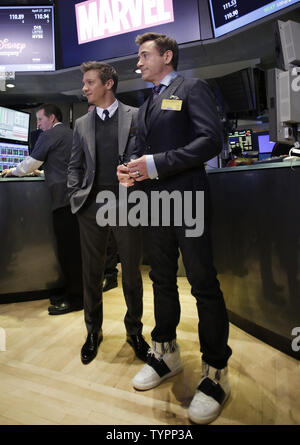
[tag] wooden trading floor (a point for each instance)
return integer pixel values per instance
(42, 380)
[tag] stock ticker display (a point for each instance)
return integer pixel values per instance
(11, 154)
(233, 14)
(27, 38)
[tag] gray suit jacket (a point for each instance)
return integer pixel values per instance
(81, 171)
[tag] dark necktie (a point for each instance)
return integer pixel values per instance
(106, 112)
(155, 94)
(156, 91)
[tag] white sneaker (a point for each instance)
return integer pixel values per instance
(210, 396)
(163, 361)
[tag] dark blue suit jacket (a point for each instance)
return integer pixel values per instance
(180, 141)
(53, 147)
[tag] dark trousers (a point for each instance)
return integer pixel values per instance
(94, 241)
(67, 236)
(163, 244)
(111, 271)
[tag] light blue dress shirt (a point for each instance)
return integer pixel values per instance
(151, 168)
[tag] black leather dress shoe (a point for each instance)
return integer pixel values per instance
(109, 284)
(139, 345)
(90, 348)
(64, 307)
(55, 299)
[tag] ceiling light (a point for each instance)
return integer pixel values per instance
(138, 71)
(10, 85)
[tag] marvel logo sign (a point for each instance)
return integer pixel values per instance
(99, 19)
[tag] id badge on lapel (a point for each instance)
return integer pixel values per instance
(173, 104)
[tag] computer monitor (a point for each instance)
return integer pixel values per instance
(240, 140)
(11, 154)
(264, 143)
(27, 38)
(14, 125)
(106, 29)
(230, 15)
(265, 146)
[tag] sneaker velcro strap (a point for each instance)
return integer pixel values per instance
(212, 389)
(158, 365)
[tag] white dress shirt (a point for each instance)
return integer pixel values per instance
(29, 164)
(111, 109)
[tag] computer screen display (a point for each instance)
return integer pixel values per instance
(11, 154)
(233, 14)
(240, 140)
(264, 144)
(14, 125)
(27, 38)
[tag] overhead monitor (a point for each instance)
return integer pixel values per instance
(11, 154)
(106, 29)
(230, 15)
(14, 125)
(27, 38)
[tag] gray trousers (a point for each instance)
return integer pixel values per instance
(94, 241)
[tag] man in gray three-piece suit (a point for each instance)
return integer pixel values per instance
(100, 138)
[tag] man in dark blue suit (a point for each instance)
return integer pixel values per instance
(178, 131)
(52, 151)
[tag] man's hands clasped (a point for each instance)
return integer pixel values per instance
(135, 170)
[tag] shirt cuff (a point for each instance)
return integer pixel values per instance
(27, 166)
(151, 168)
